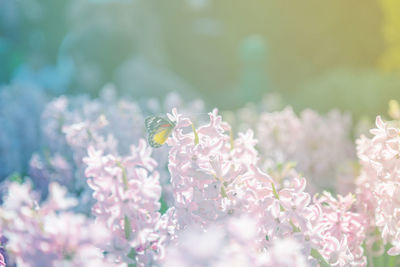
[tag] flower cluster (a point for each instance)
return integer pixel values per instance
(48, 234)
(232, 245)
(127, 193)
(216, 205)
(69, 125)
(215, 176)
(80, 186)
(289, 137)
(378, 183)
(210, 171)
(342, 229)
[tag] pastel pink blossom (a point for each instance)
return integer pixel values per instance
(378, 183)
(318, 144)
(215, 177)
(127, 193)
(47, 234)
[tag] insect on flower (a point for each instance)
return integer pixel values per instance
(158, 130)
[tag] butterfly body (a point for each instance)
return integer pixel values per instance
(158, 130)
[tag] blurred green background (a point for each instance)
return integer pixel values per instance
(317, 54)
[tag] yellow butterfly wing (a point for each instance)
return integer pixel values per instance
(158, 130)
(162, 136)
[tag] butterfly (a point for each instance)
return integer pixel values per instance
(158, 130)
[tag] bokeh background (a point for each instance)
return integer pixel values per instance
(315, 54)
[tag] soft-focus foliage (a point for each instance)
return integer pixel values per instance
(390, 60)
(19, 105)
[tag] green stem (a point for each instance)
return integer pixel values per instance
(231, 139)
(127, 221)
(295, 228)
(274, 191)
(124, 176)
(127, 227)
(276, 196)
(379, 260)
(316, 255)
(196, 136)
(132, 255)
(391, 261)
(89, 133)
(223, 192)
(128, 231)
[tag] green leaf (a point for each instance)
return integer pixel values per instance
(316, 255)
(132, 255)
(124, 176)
(127, 228)
(16, 177)
(231, 139)
(274, 191)
(276, 196)
(164, 206)
(391, 261)
(196, 136)
(223, 192)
